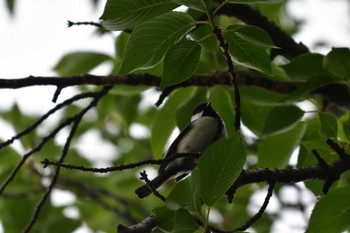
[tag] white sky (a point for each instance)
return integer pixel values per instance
(33, 41)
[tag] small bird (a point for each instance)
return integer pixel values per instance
(205, 127)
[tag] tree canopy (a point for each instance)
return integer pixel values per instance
(238, 55)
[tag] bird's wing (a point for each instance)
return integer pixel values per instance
(173, 147)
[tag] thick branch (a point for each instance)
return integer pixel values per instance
(290, 175)
(61, 82)
(341, 97)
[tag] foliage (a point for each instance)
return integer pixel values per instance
(208, 52)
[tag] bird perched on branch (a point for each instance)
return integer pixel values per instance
(205, 127)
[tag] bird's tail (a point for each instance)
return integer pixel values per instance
(144, 191)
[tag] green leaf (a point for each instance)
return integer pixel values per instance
(264, 119)
(252, 34)
(208, 43)
(337, 62)
(329, 125)
(165, 218)
(331, 213)
(246, 50)
(78, 63)
(164, 121)
(345, 126)
(120, 44)
(311, 84)
(254, 116)
(124, 14)
(282, 118)
(151, 40)
(305, 66)
(15, 213)
(199, 5)
(275, 151)
(54, 221)
(183, 196)
(180, 62)
(184, 222)
(221, 100)
(219, 167)
(253, 1)
(261, 96)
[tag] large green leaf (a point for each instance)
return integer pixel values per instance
(124, 14)
(305, 66)
(282, 118)
(219, 167)
(331, 213)
(120, 44)
(150, 41)
(275, 151)
(78, 63)
(329, 125)
(183, 196)
(208, 43)
(184, 222)
(180, 62)
(264, 119)
(165, 218)
(338, 62)
(248, 47)
(221, 100)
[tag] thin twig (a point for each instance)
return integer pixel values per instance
(45, 116)
(71, 23)
(122, 167)
(54, 178)
(144, 177)
(225, 47)
(51, 135)
(260, 212)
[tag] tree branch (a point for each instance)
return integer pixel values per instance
(289, 175)
(260, 212)
(243, 78)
